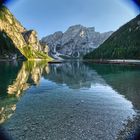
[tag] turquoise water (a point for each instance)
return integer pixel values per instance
(69, 101)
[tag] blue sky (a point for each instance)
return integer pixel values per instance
(48, 16)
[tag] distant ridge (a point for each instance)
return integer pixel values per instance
(122, 44)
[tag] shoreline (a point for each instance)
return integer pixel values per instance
(115, 61)
(98, 61)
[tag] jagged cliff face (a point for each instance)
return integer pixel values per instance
(16, 41)
(75, 42)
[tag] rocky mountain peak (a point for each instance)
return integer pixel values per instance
(78, 26)
(76, 41)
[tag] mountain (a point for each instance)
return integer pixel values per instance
(17, 42)
(75, 42)
(122, 44)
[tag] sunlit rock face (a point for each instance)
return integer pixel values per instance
(17, 42)
(75, 42)
(27, 75)
(31, 39)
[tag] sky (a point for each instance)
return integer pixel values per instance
(49, 16)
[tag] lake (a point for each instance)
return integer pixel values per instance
(69, 101)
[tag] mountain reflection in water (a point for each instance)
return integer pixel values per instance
(26, 75)
(81, 100)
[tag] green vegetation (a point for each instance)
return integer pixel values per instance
(29, 53)
(122, 44)
(7, 48)
(12, 39)
(1, 15)
(2, 11)
(30, 65)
